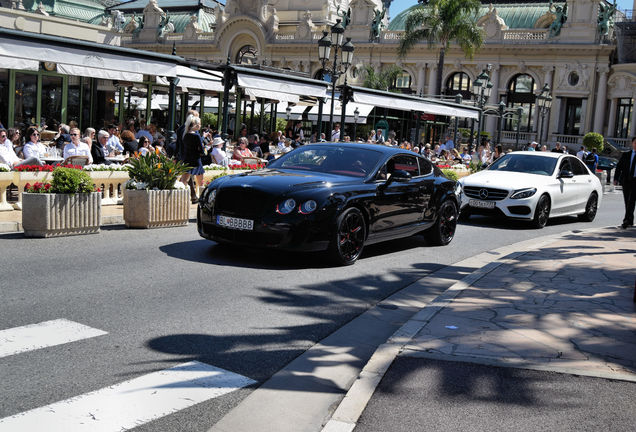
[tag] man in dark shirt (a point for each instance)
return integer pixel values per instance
(626, 176)
(254, 145)
(557, 148)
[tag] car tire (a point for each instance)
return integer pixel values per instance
(542, 212)
(348, 237)
(590, 209)
(443, 232)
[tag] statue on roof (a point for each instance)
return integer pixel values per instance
(165, 26)
(345, 16)
(193, 28)
(561, 16)
(118, 20)
(134, 25)
(377, 24)
(606, 13)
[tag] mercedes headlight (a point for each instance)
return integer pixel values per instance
(523, 193)
(286, 206)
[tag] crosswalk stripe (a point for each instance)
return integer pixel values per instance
(130, 403)
(45, 334)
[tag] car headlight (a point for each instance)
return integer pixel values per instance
(523, 193)
(458, 188)
(211, 197)
(286, 206)
(308, 207)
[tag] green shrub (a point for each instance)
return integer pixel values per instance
(593, 140)
(154, 171)
(210, 119)
(450, 174)
(71, 181)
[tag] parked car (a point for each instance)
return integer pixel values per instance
(533, 186)
(607, 164)
(336, 197)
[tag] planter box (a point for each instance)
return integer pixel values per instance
(53, 215)
(156, 209)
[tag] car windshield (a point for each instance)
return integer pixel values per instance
(523, 163)
(347, 161)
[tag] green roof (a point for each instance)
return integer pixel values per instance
(515, 15)
(180, 19)
(81, 10)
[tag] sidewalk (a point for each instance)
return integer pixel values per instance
(566, 307)
(11, 221)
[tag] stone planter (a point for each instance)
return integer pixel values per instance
(156, 208)
(53, 215)
(6, 178)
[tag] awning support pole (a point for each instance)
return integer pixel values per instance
(227, 85)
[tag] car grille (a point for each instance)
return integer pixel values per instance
(493, 194)
(242, 202)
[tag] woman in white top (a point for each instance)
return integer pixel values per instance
(219, 157)
(33, 148)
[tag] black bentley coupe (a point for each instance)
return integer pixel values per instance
(335, 197)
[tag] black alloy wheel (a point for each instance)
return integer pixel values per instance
(542, 212)
(443, 232)
(348, 242)
(590, 209)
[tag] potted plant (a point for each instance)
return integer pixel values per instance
(153, 197)
(69, 205)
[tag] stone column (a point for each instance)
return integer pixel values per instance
(492, 122)
(432, 79)
(421, 77)
(611, 123)
(601, 99)
(554, 117)
(632, 121)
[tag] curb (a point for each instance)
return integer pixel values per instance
(348, 412)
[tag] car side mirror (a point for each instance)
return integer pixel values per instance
(400, 176)
(565, 174)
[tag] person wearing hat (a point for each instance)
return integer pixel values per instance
(219, 157)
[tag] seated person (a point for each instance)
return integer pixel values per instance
(77, 147)
(99, 151)
(33, 148)
(63, 136)
(219, 157)
(8, 157)
(241, 151)
(287, 146)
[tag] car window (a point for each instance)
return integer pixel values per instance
(425, 166)
(524, 163)
(577, 167)
(349, 161)
(565, 165)
(401, 162)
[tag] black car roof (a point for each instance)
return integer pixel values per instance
(376, 147)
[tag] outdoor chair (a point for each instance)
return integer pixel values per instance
(76, 160)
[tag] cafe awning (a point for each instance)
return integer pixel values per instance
(254, 94)
(279, 85)
(74, 57)
(193, 79)
(409, 103)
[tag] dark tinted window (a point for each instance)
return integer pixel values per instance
(408, 164)
(565, 165)
(524, 163)
(425, 166)
(354, 162)
(577, 167)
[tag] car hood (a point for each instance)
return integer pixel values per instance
(504, 179)
(282, 181)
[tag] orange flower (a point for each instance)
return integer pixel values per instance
(157, 150)
(158, 166)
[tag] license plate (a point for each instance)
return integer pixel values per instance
(235, 223)
(482, 204)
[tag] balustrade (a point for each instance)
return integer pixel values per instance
(567, 139)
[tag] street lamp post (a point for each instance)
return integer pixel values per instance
(502, 108)
(458, 100)
(544, 101)
(519, 114)
(356, 116)
(325, 44)
(482, 88)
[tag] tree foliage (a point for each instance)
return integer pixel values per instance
(382, 80)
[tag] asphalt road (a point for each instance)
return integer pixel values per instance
(167, 296)
(420, 394)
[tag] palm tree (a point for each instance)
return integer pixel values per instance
(440, 22)
(383, 80)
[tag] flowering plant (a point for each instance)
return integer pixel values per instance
(154, 171)
(43, 168)
(4, 167)
(65, 180)
(38, 187)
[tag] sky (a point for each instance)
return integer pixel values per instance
(399, 5)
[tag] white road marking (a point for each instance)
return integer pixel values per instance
(131, 403)
(42, 335)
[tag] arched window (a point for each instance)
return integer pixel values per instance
(521, 93)
(246, 55)
(458, 83)
(403, 80)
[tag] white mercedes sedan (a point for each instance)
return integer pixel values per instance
(533, 186)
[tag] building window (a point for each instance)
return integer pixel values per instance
(4, 97)
(246, 55)
(623, 117)
(458, 83)
(26, 94)
(403, 81)
(521, 93)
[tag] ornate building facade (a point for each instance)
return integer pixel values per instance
(570, 46)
